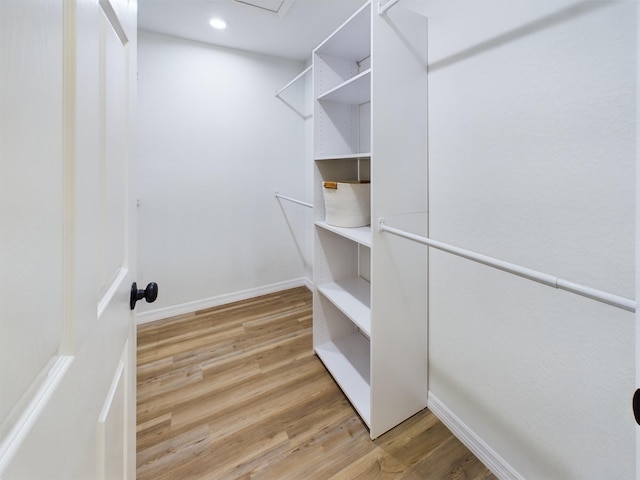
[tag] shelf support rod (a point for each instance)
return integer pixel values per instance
(299, 202)
(383, 8)
(534, 275)
(298, 77)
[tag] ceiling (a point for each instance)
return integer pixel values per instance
(284, 28)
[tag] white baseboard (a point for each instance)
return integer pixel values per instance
(190, 307)
(308, 283)
(472, 441)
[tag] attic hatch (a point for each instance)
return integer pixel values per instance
(279, 7)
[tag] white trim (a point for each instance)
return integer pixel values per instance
(50, 379)
(69, 109)
(121, 274)
(190, 307)
(102, 421)
(114, 21)
(308, 283)
(106, 407)
(637, 263)
(472, 441)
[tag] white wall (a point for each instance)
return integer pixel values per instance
(214, 146)
(532, 160)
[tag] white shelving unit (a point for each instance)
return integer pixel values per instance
(370, 334)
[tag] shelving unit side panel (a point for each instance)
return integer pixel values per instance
(399, 112)
(399, 187)
(399, 335)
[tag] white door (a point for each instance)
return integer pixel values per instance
(636, 397)
(67, 237)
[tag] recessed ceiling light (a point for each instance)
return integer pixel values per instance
(218, 23)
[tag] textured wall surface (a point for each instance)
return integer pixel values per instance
(532, 160)
(214, 146)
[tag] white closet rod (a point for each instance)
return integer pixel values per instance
(536, 276)
(298, 77)
(299, 202)
(386, 6)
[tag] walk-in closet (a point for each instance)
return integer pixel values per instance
(319, 239)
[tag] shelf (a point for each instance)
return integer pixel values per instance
(347, 359)
(352, 40)
(361, 235)
(355, 91)
(352, 297)
(357, 156)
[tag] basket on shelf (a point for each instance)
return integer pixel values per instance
(347, 203)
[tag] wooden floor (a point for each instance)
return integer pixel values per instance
(235, 392)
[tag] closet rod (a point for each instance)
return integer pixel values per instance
(298, 77)
(383, 8)
(536, 276)
(299, 202)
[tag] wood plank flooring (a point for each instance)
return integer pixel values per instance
(236, 392)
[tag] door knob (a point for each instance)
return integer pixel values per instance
(149, 294)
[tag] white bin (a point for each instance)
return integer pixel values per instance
(347, 204)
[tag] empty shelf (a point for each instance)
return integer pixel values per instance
(355, 91)
(352, 297)
(347, 359)
(352, 39)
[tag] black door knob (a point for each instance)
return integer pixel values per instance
(149, 294)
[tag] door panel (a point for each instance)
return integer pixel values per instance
(30, 230)
(111, 454)
(115, 192)
(67, 396)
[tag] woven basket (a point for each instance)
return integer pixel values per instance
(347, 204)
